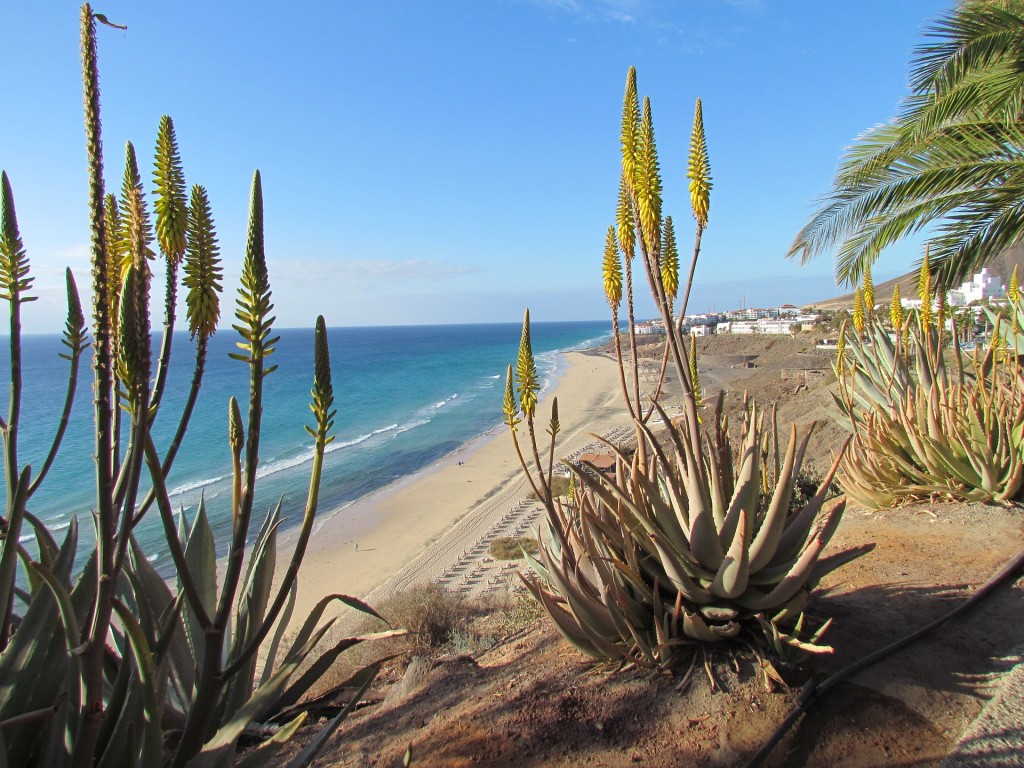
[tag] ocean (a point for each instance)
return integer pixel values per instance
(406, 397)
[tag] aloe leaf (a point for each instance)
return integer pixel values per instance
(676, 572)
(152, 733)
(798, 576)
(694, 626)
(731, 579)
(282, 628)
(566, 624)
(319, 667)
(200, 561)
(264, 753)
(795, 533)
(222, 744)
(309, 625)
(762, 548)
(46, 544)
(306, 756)
(68, 617)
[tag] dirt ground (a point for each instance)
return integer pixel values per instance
(535, 701)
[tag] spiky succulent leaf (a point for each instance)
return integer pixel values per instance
(323, 390)
(253, 303)
(699, 169)
(15, 280)
(647, 186)
(611, 270)
(527, 382)
(203, 272)
(670, 261)
(169, 193)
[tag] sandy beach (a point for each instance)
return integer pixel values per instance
(422, 527)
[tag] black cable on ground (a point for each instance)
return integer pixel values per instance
(812, 691)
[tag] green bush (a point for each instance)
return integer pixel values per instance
(512, 548)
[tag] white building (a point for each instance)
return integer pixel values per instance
(764, 326)
(980, 287)
(650, 328)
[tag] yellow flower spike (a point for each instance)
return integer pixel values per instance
(869, 293)
(1013, 294)
(670, 261)
(858, 311)
(924, 291)
(630, 129)
(526, 372)
(509, 409)
(698, 394)
(624, 219)
(699, 170)
(943, 311)
(647, 183)
(841, 351)
(554, 425)
(203, 273)
(896, 309)
(611, 270)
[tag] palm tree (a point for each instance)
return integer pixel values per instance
(954, 157)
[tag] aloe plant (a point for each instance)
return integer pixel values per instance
(685, 546)
(927, 421)
(104, 663)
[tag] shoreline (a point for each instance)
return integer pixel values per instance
(391, 538)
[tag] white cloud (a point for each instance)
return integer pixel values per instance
(621, 11)
(367, 271)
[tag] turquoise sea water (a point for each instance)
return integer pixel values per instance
(406, 397)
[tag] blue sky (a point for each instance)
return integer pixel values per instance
(446, 162)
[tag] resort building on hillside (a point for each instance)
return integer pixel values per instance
(753, 313)
(650, 328)
(765, 325)
(980, 287)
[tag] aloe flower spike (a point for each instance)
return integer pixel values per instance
(526, 372)
(896, 309)
(509, 409)
(699, 170)
(611, 270)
